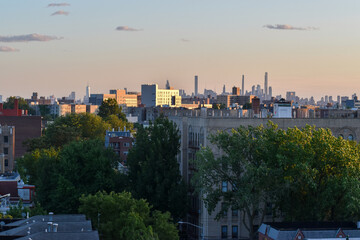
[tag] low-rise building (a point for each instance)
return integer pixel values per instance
(153, 96)
(121, 142)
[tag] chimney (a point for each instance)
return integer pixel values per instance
(16, 104)
(55, 227)
(49, 228)
(51, 214)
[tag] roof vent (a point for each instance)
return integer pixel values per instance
(49, 228)
(51, 214)
(55, 227)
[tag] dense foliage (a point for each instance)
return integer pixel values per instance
(262, 170)
(119, 216)
(154, 172)
(62, 176)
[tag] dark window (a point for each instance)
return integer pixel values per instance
(6, 162)
(235, 232)
(6, 139)
(224, 186)
(6, 150)
(223, 231)
(235, 213)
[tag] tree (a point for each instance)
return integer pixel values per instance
(296, 170)
(119, 216)
(318, 165)
(153, 168)
(240, 177)
(111, 107)
(116, 123)
(61, 176)
(70, 128)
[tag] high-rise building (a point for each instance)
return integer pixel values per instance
(196, 86)
(236, 91)
(266, 86)
(152, 96)
(270, 92)
(167, 86)
(224, 90)
(87, 95)
(243, 85)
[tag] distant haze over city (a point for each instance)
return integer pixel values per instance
(310, 47)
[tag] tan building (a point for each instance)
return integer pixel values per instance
(7, 148)
(229, 100)
(126, 99)
(63, 109)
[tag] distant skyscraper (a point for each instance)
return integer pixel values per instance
(87, 95)
(243, 86)
(266, 86)
(196, 86)
(253, 90)
(338, 99)
(72, 96)
(224, 90)
(270, 92)
(167, 84)
(235, 91)
(1, 99)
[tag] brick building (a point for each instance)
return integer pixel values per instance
(26, 127)
(121, 142)
(7, 148)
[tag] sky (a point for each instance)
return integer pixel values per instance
(56, 47)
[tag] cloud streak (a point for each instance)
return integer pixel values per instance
(184, 40)
(60, 13)
(58, 5)
(128, 29)
(288, 27)
(8, 49)
(28, 38)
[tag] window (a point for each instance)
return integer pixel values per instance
(6, 150)
(224, 186)
(126, 153)
(6, 162)
(235, 213)
(126, 144)
(6, 139)
(235, 232)
(223, 231)
(351, 137)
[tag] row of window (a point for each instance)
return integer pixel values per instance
(234, 231)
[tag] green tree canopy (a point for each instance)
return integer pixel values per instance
(119, 216)
(61, 176)
(293, 170)
(111, 107)
(70, 128)
(153, 168)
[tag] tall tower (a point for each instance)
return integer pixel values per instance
(167, 86)
(196, 86)
(87, 94)
(266, 86)
(224, 90)
(243, 85)
(270, 92)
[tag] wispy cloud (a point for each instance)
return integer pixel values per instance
(288, 27)
(184, 40)
(126, 28)
(28, 38)
(58, 4)
(8, 49)
(60, 13)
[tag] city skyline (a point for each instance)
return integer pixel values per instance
(58, 47)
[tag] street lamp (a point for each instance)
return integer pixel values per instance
(191, 224)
